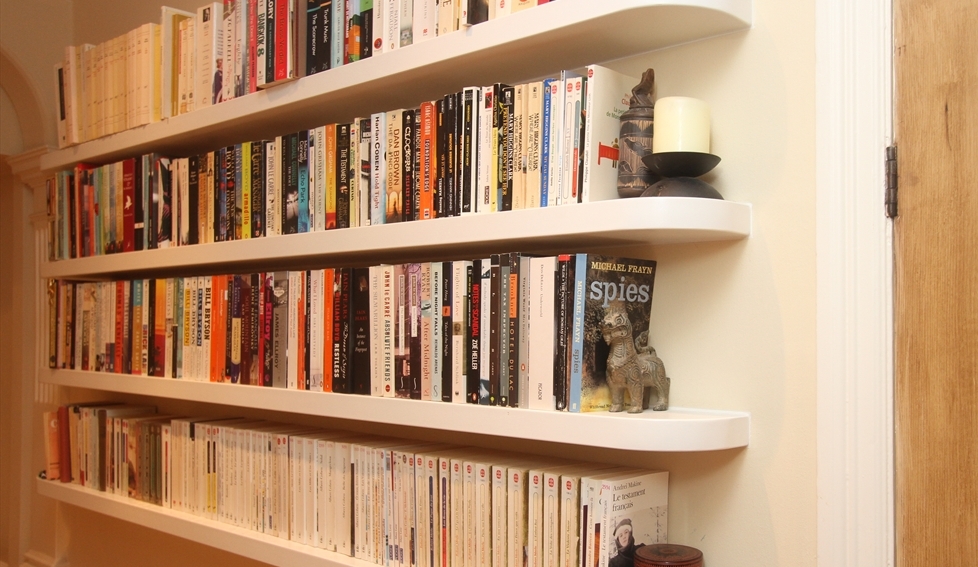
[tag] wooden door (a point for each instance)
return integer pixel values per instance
(936, 283)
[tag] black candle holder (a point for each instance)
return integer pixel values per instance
(679, 171)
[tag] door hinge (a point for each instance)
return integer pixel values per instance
(891, 182)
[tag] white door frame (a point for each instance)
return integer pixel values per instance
(853, 125)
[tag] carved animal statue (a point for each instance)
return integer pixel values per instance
(632, 365)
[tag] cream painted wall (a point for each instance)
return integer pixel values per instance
(734, 322)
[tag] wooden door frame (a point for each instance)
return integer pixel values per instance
(854, 243)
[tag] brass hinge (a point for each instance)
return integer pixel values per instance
(891, 182)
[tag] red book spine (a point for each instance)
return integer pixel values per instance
(283, 34)
(328, 330)
(120, 313)
(426, 177)
(252, 45)
(218, 331)
(64, 445)
(301, 330)
(129, 205)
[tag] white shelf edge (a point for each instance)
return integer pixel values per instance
(240, 541)
(659, 220)
(428, 68)
(674, 430)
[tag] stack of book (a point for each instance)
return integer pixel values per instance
(454, 331)
(192, 60)
(483, 149)
(384, 500)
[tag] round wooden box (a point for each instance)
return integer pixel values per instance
(668, 555)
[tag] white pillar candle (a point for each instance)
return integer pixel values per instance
(682, 124)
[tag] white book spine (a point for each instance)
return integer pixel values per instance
(337, 27)
(227, 71)
(500, 513)
(437, 338)
(292, 362)
(316, 330)
(391, 25)
(261, 39)
(445, 17)
(376, 331)
(459, 303)
(518, 153)
(485, 164)
(556, 141)
(378, 168)
(425, 20)
(405, 24)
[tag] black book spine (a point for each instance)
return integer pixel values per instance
(478, 11)
(361, 331)
(473, 332)
(254, 329)
(343, 212)
(514, 315)
(413, 309)
(450, 142)
(408, 200)
(441, 199)
(506, 149)
(290, 184)
(257, 189)
(446, 331)
(345, 383)
(152, 223)
(416, 182)
(580, 137)
(193, 193)
(367, 33)
(313, 22)
(270, 41)
(467, 159)
(504, 330)
(562, 319)
(139, 215)
(494, 331)
(149, 304)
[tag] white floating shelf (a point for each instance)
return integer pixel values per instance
(674, 430)
(665, 220)
(258, 546)
(533, 43)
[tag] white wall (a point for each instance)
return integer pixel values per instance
(734, 322)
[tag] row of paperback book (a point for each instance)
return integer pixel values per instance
(387, 501)
(455, 331)
(228, 49)
(483, 149)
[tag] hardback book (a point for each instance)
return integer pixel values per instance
(608, 291)
(608, 94)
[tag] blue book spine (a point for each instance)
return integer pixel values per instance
(545, 144)
(303, 162)
(577, 335)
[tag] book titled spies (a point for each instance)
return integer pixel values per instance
(604, 287)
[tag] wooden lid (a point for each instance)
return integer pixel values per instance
(668, 554)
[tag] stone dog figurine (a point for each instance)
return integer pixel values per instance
(632, 364)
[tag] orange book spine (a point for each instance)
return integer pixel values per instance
(426, 173)
(219, 304)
